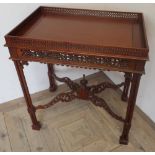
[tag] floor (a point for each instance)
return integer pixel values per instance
(74, 126)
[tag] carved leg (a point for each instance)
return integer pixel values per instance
(53, 85)
(128, 77)
(131, 104)
(31, 109)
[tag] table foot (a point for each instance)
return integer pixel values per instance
(36, 126)
(124, 98)
(53, 88)
(123, 140)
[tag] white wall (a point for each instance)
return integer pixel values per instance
(12, 14)
(36, 74)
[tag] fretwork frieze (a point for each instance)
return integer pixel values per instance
(61, 56)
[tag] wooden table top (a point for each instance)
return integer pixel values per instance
(81, 32)
(84, 30)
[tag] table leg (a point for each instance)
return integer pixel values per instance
(31, 109)
(128, 77)
(52, 81)
(130, 108)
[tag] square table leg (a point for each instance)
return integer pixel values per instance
(52, 81)
(31, 109)
(128, 77)
(130, 107)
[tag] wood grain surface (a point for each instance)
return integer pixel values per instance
(75, 126)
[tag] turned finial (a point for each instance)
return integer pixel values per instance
(84, 81)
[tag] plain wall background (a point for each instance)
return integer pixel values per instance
(36, 74)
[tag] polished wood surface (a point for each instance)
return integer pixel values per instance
(84, 30)
(88, 38)
(107, 40)
(70, 28)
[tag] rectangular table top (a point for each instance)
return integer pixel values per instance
(87, 37)
(84, 27)
(84, 30)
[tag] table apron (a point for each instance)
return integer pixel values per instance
(79, 60)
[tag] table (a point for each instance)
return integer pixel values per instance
(106, 40)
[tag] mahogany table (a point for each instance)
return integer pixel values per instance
(107, 40)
